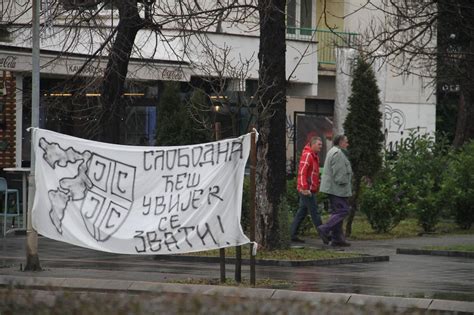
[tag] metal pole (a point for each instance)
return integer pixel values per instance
(217, 129)
(253, 167)
(238, 264)
(32, 259)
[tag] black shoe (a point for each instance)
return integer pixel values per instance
(323, 236)
(296, 239)
(340, 244)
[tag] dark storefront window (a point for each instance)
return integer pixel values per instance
(73, 109)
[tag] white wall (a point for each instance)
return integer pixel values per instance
(240, 39)
(409, 101)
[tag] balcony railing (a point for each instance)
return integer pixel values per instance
(327, 41)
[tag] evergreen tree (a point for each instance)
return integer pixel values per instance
(363, 128)
(199, 116)
(175, 125)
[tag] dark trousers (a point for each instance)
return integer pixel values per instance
(340, 210)
(307, 203)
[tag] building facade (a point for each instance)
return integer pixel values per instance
(190, 48)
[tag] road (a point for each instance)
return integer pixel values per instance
(450, 278)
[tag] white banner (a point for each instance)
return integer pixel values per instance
(139, 200)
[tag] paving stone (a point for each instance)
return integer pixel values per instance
(241, 292)
(104, 284)
(315, 297)
(457, 306)
(169, 287)
(399, 302)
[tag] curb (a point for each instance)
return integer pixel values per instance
(282, 263)
(448, 253)
(101, 285)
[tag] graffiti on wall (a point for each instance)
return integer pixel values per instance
(290, 131)
(290, 135)
(394, 120)
(396, 131)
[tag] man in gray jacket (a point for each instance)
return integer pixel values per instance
(337, 183)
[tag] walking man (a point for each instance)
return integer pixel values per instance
(308, 186)
(337, 183)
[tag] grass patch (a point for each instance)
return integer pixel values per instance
(459, 248)
(281, 254)
(361, 229)
(260, 283)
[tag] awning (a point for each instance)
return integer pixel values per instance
(18, 59)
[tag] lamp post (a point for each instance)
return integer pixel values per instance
(32, 259)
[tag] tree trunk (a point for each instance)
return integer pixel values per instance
(271, 157)
(116, 72)
(464, 125)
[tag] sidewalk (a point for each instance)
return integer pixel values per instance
(429, 283)
(110, 285)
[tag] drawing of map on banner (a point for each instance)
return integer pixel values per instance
(139, 200)
(104, 186)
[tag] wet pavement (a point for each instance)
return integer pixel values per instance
(434, 277)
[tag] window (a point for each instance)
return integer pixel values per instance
(306, 20)
(291, 16)
(299, 17)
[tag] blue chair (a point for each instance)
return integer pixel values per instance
(6, 213)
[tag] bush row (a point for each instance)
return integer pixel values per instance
(424, 178)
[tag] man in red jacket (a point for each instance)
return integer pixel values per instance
(308, 186)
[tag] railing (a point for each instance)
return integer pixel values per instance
(327, 41)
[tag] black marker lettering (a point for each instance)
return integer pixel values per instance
(147, 205)
(220, 223)
(183, 159)
(139, 235)
(173, 219)
(185, 229)
(206, 232)
(160, 156)
(179, 181)
(167, 238)
(196, 157)
(172, 205)
(145, 160)
(159, 225)
(196, 199)
(168, 182)
(188, 204)
(170, 160)
(160, 202)
(192, 181)
(222, 151)
(153, 240)
(208, 155)
(213, 192)
(239, 149)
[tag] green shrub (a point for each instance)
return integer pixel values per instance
(381, 202)
(283, 241)
(457, 192)
(292, 197)
(418, 167)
